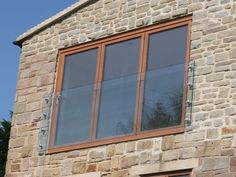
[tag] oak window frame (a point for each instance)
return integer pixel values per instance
(101, 44)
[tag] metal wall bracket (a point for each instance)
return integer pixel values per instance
(44, 124)
(189, 99)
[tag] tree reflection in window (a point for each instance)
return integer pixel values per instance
(164, 79)
(162, 115)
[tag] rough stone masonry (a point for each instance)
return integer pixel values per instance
(208, 146)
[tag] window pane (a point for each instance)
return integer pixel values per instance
(118, 92)
(121, 59)
(74, 115)
(80, 69)
(164, 79)
(75, 106)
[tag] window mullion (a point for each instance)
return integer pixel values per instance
(140, 83)
(97, 91)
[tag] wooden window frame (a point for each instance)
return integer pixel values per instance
(169, 174)
(143, 33)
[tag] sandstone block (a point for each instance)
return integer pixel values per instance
(215, 163)
(120, 148)
(167, 142)
(104, 166)
(215, 77)
(78, 167)
(187, 153)
(131, 146)
(115, 163)
(129, 161)
(120, 173)
(212, 133)
(95, 156)
(169, 155)
(232, 53)
(144, 145)
(92, 167)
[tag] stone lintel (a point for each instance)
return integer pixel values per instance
(176, 165)
(92, 174)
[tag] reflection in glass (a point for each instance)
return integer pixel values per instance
(164, 80)
(80, 69)
(117, 107)
(75, 103)
(122, 59)
(118, 92)
(74, 115)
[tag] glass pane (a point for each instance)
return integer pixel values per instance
(117, 107)
(80, 69)
(75, 105)
(163, 93)
(118, 92)
(167, 48)
(74, 116)
(121, 59)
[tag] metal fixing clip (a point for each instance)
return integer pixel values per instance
(190, 85)
(191, 67)
(40, 146)
(188, 103)
(46, 100)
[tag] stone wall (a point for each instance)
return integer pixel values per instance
(209, 144)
